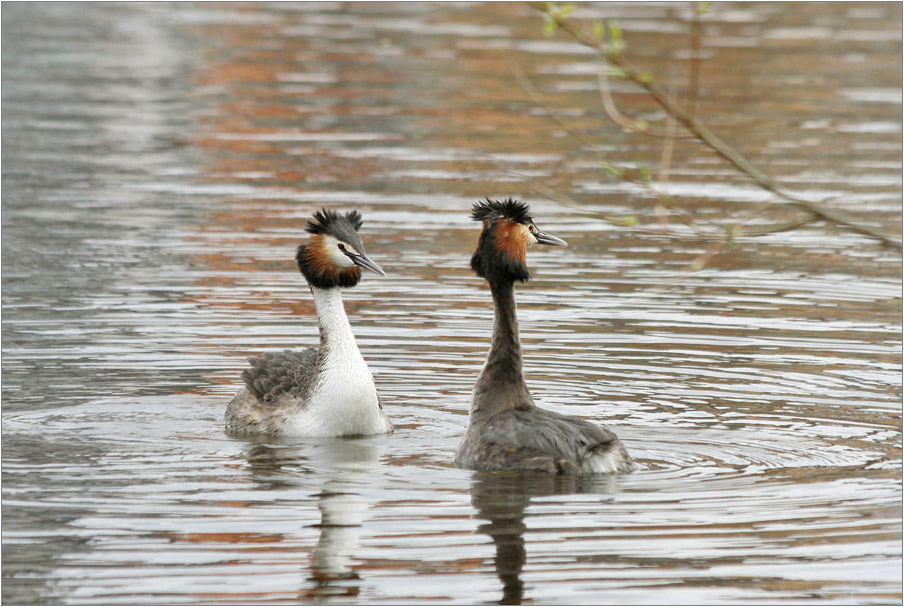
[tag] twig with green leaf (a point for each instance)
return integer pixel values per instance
(606, 38)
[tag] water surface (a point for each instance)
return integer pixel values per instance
(160, 161)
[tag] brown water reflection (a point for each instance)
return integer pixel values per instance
(761, 396)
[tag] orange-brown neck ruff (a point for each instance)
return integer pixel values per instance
(319, 270)
(511, 240)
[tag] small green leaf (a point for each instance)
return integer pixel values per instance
(599, 31)
(697, 264)
(646, 175)
(702, 8)
(551, 26)
(565, 11)
(629, 221)
(645, 77)
(613, 170)
(616, 43)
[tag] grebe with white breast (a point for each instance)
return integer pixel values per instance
(325, 391)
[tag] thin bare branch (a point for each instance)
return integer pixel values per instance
(779, 227)
(693, 86)
(630, 124)
(709, 138)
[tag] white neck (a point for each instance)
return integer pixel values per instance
(344, 398)
(335, 331)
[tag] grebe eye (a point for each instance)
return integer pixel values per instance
(341, 247)
(532, 228)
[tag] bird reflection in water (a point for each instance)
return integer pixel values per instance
(343, 470)
(501, 498)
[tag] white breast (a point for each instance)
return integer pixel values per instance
(344, 398)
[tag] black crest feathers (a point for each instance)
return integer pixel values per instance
(325, 219)
(511, 209)
(494, 259)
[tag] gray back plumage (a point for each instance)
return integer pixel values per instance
(282, 373)
(538, 440)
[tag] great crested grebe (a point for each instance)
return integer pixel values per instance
(506, 431)
(325, 391)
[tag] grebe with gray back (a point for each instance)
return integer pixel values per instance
(506, 430)
(325, 391)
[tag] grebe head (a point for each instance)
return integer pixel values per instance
(334, 255)
(508, 229)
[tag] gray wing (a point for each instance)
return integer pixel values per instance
(552, 432)
(538, 439)
(281, 373)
